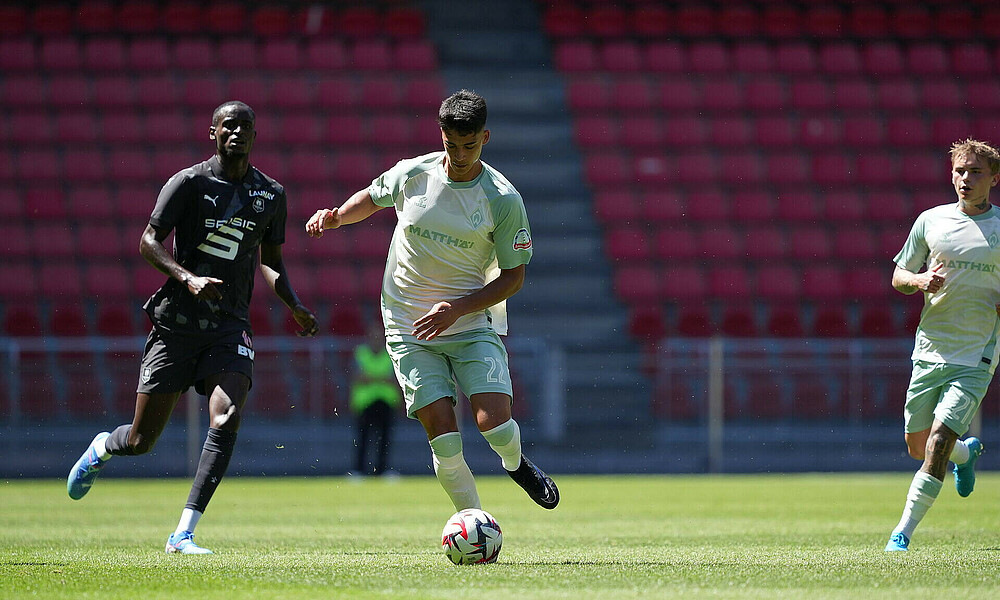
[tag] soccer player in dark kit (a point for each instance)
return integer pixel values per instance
(227, 217)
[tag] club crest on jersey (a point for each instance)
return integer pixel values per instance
(247, 340)
(993, 240)
(476, 219)
(258, 205)
(147, 374)
(522, 239)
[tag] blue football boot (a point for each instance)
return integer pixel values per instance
(965, 474)
(85, 471)
(183, 543)
(898, 543)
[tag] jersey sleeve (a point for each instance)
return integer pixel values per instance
(915, 251)
(172, 202)
(511, 232)
(275, 233)
(387, 186)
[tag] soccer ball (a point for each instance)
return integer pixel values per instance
(471, 537)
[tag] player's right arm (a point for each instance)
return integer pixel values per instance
(909, 282)
(358, 207)
(152, 249)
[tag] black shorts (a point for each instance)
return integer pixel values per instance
(173, 362)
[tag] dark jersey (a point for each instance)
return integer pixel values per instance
(218, 226)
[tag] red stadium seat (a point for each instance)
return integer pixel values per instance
(730, 283)
(104, 54)
(337, 283)
(612, 207)
(415, 55)
(146, 54)
(821, 132)
(834, 168)
(639, 132)
(91, 202)
(659, 206)
(856, 243)
(676, 244)
(576, 57)
(722, 94)
(183, 17)
(983, 94)
(381, 92)
(810, 243)
(695, 20)
(281, 54)
(731, 131)
(608, 21)
(202, 93)
(942, 94)
(845, 205)
(908, 131)
(115, 319)
(252, 89)
(924, 168)
(682, 283)
(784, 321)
(685, 131)
(914, 22)
(868, 21)
(346, 320)
(68, 320)
(61, 54)
(76, 127)
(971, 59)
(740, 21)
(226, 17)
(39, 165)
(883, 58)
(738, 321)
(678, 95)
(22, 320)
(870, 283)
(795, 58)
(404, 22)
(138, 17)
(101, 241)
(646, 323)
(70, 91)
(621, 56)
(864, 132)
(87, 166)
(665, 57)
(564, 20)
(694, 321)
(31, 128)
(14, 243)
(839, 58)
(777, 132)
(271, 21)
(766, 243)
(23, 90)
(752, 57)
(823, 283)
(588, 94)
(114, 92)
(371, 55)
(831, 322)
(877, 321)
(811, 94)
(13, 20)
(636, 283)
(778, 282)
(878, 168)
(610, 168)
(238, 53)
(627, 244)
(927, 58)
(60, 281)
(424, 92)
(897, 94)
(824, 21)
(766, 94)
(597, 131)
(632, 94)
(788, 168)
(708, 57)
(346, 129)
(854, 94)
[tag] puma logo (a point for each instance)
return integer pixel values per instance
(211, 199)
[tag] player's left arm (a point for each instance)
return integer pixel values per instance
(443, 315)
(272, 267)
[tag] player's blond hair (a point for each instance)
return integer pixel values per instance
(981, 149)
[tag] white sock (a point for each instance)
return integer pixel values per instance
(505, 439)
(101, 449)
(960, 453)
(189, 520)
(453, 472)
(923, 491)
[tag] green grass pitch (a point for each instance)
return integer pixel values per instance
(770, 536)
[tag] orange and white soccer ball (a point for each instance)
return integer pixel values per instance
(471, 537)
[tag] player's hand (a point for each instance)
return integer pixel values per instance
(930, 281)
(204, 288)
(440, 317)
(324, 218)
(306, 320)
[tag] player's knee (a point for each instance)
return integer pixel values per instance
(141, 444)
(227, 420)
(938, 444)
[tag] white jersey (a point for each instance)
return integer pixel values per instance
(451, 239)
(959, 323)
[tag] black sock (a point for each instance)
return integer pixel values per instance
(117, 442)
(212, 466)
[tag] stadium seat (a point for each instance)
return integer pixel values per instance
(15, 243)
(381, 92)
(608, 21)
(795, 58)
(694, 321)
(766, 243)
(621, 56)
(70, 91)
(897, 94)
(22, 320)
(104, 54)
(864, 132)
(627, 244)
(271, 20)
(794, 205)
(752, 57)
(778, 132)
(685, 131)
(868, 21)
(811, 94)
(76, 128)
(102, 241)
(252, 89)
(908, 132)
(853, 94)
(238, 53)
(927, 58)
(85, 166)
(831, 322)
(708, 57)
(731, 131)
(683, 283)
(68, 319)
(823, 283)
(646, 323)
(722, 95)
(911, 22)
(45, 202)
(665, 57)
(883, 58)
(636, 283)
(637, 132)
(659, 206)
(731, 283)
(60, 53)
(607, 168)
(632, 94)
(59, 281)
(877, 321)
(281, 54)
(18, 281)
(676, 244)
(597, 131)
(821, 132)
(346, 320)
(839, 58)
(784, 322)
(944, 94)
(226, 17)
(810, 243)
(107, 281)
(845, 206)
(371, 55)
(765, 93)
(588, 94)
(149, 54)
(778, 282)
(824, 21)
(834, 168)
(971, 60)
(183, 17)
(31, 128)
(201, 92)
(404, 22)
(13, 20)
(738, 321)
(23, 90)
(614, 207)
(870, 283)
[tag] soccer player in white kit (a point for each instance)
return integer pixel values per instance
(955, 352)
(458, 251)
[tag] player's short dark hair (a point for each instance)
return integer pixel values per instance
(463, 112)
(239, 105)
